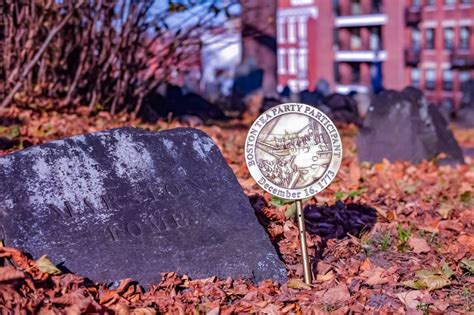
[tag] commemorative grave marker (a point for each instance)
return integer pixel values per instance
(293, 151)
(132, 203)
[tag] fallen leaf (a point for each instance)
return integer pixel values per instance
(419, 245)
(9, 273)
(411, 298)
(468, 265)
(45, 265)
(374, 276)
(336, 295)
(354, 172)
(445, 209)
(326, 277)
(298, 284)
(427, 279)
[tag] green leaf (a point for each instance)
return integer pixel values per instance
(339, 195)
(291, 211)
(468, 265)
(351, 194)
(45, 265)
(357, 192)
(279, 202)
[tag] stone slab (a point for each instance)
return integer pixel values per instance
(132, 203)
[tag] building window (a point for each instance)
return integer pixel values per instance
(291, 30)
(415, 38)
(431, 2)
(375, 38)
(356, 8)
(337, 74)
(337, 7)
(281, 61)
(464, 76)
(292, 61)
(447, 80)
(302, 28)
(303, 60)
(448, 37)
(415, 77)
(430, 79)
(356, 40)
(430, 38)
(376, 6)
(449, 2)
(355, 72)
(464, 34)
(281, 30)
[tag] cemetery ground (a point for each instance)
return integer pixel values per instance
(387, 237)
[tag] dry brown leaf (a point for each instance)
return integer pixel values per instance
(9, 273)
(144, 311)
(419, 245)
(374, 276)
(298, 284)
(336, 295)
(326, 277)
(45, 265)
(411, 298)
(354, 172)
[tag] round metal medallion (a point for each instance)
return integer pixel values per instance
(293, 151)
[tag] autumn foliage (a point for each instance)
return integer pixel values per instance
(417, 256)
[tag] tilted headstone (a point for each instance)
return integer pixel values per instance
(401, 126)
(430, 118)
(465, 114)
(132, 203)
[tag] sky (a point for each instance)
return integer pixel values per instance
(200, 9)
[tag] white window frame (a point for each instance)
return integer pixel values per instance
(281, 60)
(302, 27)
(291, 36)
(281, 30)
(303, 59)
(292, 61)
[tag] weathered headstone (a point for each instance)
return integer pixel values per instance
(132, 203)
(465, 114)
(343, 108)
(401, 126)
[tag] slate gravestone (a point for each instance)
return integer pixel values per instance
(401, 126)
(465, 114)
(343, 108)
(131, 203)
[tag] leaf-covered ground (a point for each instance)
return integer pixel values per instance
(388, 238)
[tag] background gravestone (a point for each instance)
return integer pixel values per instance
(131, 203)
(401, 126)
(465, 114)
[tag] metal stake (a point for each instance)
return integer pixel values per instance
(304, 248)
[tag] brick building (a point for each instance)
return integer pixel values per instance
(425, 43)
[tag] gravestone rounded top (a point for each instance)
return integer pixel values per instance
(293, 151)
